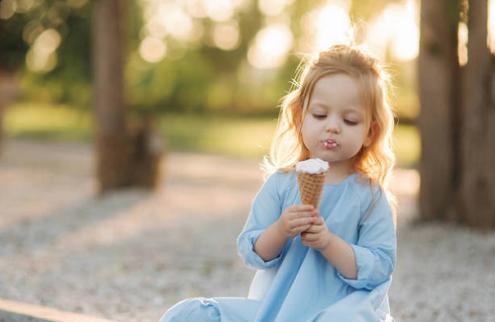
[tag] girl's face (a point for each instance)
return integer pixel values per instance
(336, 126)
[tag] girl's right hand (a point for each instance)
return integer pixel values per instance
(296, 219)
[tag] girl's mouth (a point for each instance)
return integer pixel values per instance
(330, 144)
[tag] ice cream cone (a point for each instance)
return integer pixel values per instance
(311, 177)
(310, 187)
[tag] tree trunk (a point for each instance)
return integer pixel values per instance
(438, 73)
(477, 192)
(457, 120)
(2, 108)
(125, 157)
(112, 142)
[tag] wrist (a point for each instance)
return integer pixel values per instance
(280, 229)
(328, 242)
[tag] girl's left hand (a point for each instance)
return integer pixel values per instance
(317, 236)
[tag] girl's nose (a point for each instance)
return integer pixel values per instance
(333, 127)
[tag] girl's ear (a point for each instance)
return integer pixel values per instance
(371, 134)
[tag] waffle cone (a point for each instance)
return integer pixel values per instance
(310, 187)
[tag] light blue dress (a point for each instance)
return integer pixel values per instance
(300, 285)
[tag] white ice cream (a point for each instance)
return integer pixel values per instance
(312, 166)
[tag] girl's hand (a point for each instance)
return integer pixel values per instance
(296, 219)
(317, 236)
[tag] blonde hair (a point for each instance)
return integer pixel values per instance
(375, 161)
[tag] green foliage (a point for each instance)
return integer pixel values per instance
(12, 50)
(194, 77)
(69, 80)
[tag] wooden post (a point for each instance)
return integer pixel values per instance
(438, 74)
(477, 191)
(125, 157)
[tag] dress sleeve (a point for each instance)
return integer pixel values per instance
(265, 210)
(375, 251)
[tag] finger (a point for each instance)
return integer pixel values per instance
(301, 216)
(305, 207)
(296, 208)
(301, 230)
(312, 235)
(313, 229)
(298, 231)
(294, 213)
(295, 223)
(307, 215)
(312, 213)
(309, 238)
(319, 221)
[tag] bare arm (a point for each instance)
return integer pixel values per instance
(341, 255)
(270, 243)
(338, 252)
(292, 221)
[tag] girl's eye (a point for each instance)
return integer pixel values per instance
(349, 122)
(319, 116)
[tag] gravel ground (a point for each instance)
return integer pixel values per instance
(130, 255)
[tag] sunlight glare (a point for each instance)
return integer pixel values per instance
(327, 26)
(462, 36)
(154, 27)
(175, 20)
(25, 6)
(395, 28)
(168, 18)
(152, 49)
(195, 8)
(270, 46)
(40, 63)
(273, 7)
(42, 56)
(491, 25)
(226, 35)
(7, 9)
(219, 10)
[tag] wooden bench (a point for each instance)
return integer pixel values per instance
(12, 311)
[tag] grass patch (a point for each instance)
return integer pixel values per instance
(234, 136)
(48, 122)
(224, 135)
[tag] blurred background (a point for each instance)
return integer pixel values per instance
(215, 66)
(180, 97)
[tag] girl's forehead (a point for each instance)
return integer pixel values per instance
(337, 91)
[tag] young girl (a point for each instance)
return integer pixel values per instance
(333, 263)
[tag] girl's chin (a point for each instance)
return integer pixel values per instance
(326, 156)
(327, 159)
(332, 161)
